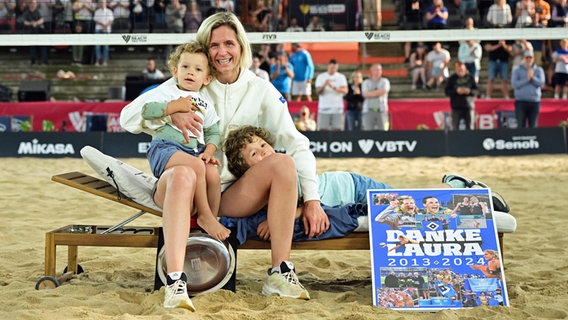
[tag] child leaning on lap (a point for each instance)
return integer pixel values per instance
(190, 66)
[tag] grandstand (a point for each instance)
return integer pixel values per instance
(96, 83)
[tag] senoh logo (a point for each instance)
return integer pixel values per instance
(516, 143)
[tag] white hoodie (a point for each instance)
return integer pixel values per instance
(248, 101)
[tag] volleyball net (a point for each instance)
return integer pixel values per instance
(385, 36)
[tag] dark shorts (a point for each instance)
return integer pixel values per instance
(161, 151)
(560, 79)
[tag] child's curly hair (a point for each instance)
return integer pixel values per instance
(190, 47)
(236, 142)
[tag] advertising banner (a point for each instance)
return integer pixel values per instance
(434, 249)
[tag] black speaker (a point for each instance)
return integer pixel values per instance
(34, 90)
(136, 83)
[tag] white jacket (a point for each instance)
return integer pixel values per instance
(248, 101)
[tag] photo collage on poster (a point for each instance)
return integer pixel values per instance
(434, 249)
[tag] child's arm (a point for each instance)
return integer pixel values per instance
(207, 155)
(158, 110)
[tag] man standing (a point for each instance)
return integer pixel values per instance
(330, 87)
(303, 73)
(527, 81)
(375, 107)
(461, 88)
(499, 52)
(281, 74)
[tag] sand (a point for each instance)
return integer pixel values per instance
(118, 282)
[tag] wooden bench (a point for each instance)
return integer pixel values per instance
(119, 235)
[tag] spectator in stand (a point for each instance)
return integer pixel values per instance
(78, 51)
(470, 53)
(462, 89)
(281, 74)
(152, 72)
(266, 57)
(294, 27)
(499, 53)
(560, 59)
(542, 13)
(375, 107)
(83, 13)
(33, 24)
(315, 25)
(330, 87)
(436, 15)
(175, 12)
(21, 6)
(45, 7)
(216, 7)
(412, 20)
(228, 5)
(139, 16)
(499, 15)
(418, 66)
(7, 8)
(354, 98)
(465, 5)
(193, 17)
(255, 68)
(121, 13)
(518, 50)
(160, 13)
(524, 11)
(303, 73)
(372, 17)
(103, 19)
(262, 17)
(437, 66)
(559, 17)
(527, 81)
(305, 121)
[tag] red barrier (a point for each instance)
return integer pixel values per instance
(405, 114)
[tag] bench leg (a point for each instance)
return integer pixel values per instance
(50, 255)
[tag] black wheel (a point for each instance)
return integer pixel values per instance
(79, 269)
(47, 282)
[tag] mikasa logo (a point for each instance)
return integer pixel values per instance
(366, 145)
(45, 148)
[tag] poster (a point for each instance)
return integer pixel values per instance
(434, 249)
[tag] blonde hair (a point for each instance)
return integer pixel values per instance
(230, 20)
(190, 47)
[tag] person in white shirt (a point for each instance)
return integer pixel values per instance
(331, 86)
(375, 106)
(241, 98)
(437, 65)
(255, 68)
(151, 72)
(103, 19)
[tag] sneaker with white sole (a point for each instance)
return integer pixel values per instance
(457, 181)
(284, 283)
(176, 294)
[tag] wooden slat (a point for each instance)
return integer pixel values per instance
(98, 187)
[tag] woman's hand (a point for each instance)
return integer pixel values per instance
(187, 121)
(316, 221)
(262, 231)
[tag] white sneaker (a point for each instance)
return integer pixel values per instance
(285, 283)
(176, 296)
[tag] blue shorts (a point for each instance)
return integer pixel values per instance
(500, 68)
(363, 183)
(161, 151)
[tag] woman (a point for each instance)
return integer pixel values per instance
(354, 98)
(493, 267)
(418, 66)
(241, 98)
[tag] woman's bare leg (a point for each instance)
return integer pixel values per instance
(174, 194)
(205, 217)
(271, 182)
